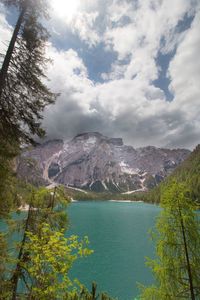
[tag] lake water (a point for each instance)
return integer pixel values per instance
(118, 234)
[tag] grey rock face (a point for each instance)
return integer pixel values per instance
(95, 162)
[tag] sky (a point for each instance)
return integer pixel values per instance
(124, 68)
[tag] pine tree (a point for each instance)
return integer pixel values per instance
(176, 269)
(23, 95)
(41, 210)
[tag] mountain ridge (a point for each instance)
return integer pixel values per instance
(95, 162)
(187, 173)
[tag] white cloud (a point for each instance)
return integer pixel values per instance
(5, 31)
(68, 75)
(127, 104)
(80, 23)
(140, 39)
(184, 69)
(83, 25)
(184, 72)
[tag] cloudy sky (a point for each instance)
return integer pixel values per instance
(125, 68)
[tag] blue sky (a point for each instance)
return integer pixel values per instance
(124, 68)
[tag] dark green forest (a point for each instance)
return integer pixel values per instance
(188, 172)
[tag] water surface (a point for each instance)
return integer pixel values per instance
(118, 234)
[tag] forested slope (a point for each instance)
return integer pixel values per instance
(188, 172)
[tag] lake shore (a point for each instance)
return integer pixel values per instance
(111, 200)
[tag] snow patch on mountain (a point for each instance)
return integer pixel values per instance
(125, 168)
(95, 162)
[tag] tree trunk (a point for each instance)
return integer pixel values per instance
(53, 199)
(9, 53)
(17, 271)
(187, 256)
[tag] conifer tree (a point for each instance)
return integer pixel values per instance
(176, 270)
(41, 209)
(23, 95)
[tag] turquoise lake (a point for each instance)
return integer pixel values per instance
(118, 234)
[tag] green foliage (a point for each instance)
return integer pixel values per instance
(5, 285)
(187, 173)
(177, 234)
(44, 206)
(90, 195)
(51, 205)
(23, 95)
(8, 149)
(51, 256)
(84, 294)
(44, 256)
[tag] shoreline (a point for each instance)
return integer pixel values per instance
(25, 207)
(111, 200)
(127, 201)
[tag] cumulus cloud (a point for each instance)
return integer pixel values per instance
(126, 102)
(5, 30)
(83, 25)
(150, 23)
(184, 72)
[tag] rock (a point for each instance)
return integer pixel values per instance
(95, 162)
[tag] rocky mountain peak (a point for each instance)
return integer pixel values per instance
(87, 135)
(96, 162)
(96, 137)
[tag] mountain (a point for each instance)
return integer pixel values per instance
(187, 172)
(91, 161)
